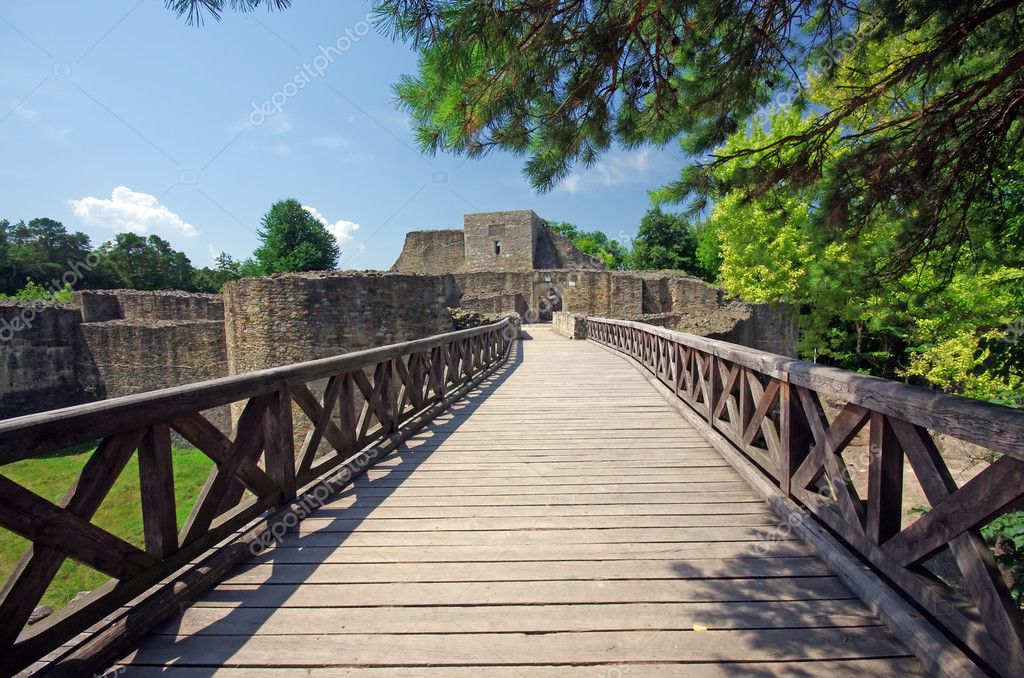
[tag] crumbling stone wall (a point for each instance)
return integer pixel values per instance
(289, 318)
(432, 253)
(111, 343)
(43, 360)
(571, 325)
(134, 356)
(565, 254)
(103, 305)
(515, 241)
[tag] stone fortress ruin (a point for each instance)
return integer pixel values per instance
(109, 343)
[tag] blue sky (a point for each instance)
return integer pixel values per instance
(116, 115)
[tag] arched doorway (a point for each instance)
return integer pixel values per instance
(548, 301)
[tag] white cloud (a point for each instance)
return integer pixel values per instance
(129, 210)
(614, 169)
(53, 134)
(331, 142)
(283, 149)
(341, 229)
(24, 111)
(279, 123)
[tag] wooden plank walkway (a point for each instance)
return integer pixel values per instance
(563, 520)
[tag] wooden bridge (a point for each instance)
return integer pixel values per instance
(646, 503)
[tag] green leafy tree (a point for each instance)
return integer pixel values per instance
(561, 82)
(131, 261)
(33, 291)
(664, 241)
(292, 239)
(709, 251)
(212, 280)
(41, 250)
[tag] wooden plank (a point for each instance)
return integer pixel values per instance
(332, 523)
(278, 443)
(510, 571)
(885, 482)
(491, 649)
(532, 593)
(156, 491)
(573, 536)
(868, 668)
(303, 623)
(478, 553)
(387, 511)
(367, 498)
(470, 479)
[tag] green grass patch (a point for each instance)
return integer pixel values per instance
(121, 512)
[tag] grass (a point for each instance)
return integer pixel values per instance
(121, 513)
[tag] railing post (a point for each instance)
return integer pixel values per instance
(885, 481)
(156, 491)
(794, 433)
(279, 443)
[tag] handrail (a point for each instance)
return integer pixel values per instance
(986, 424)
(768, 407)
(371, 397)
(20, 437)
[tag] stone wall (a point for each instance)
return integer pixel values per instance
(571, 325)
(110, 343)
(43, 360)
(289, 318)
(134, 356)
(515, 241)
(501, 241)
(666, 298)
(566, 254)
(432, 253)
(103, 305)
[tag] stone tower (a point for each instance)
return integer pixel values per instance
(502, 241)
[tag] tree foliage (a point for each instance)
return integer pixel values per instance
(134, 262)
(664, 241)
(596, 243)
(941, 319)
(41, 250)
(41, 259)
(925, 130)
(292, 239)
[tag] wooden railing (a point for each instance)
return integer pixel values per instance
(769, 408)
(393, 384)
